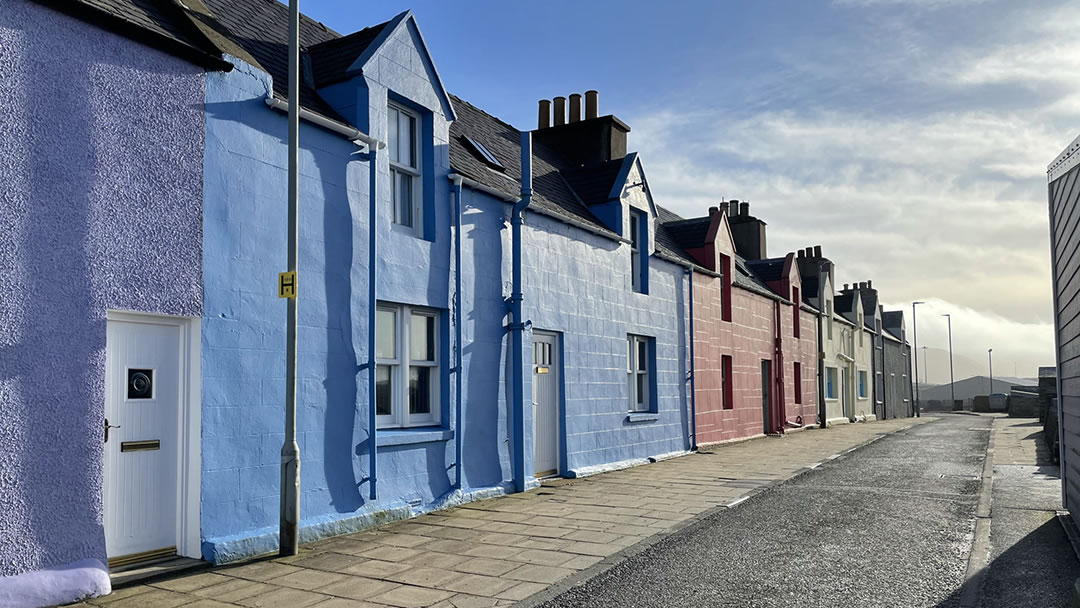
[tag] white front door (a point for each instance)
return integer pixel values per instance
(545, 384)
(142, 401)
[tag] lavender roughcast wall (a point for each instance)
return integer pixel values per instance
(100, 208)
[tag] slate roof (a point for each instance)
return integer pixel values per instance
(810, 287)
(261, 27)
(161, 24)
(690, 233)
(330, 60)
(594, 183)
(771, 269)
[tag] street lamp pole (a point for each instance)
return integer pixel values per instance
(952, 379)
(990, 354)
(915, 337)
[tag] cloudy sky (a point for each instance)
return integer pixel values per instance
(909, 138)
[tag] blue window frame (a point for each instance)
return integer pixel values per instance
(639, 251)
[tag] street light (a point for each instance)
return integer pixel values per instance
(990, 354)
(915, 337)
(952, 380)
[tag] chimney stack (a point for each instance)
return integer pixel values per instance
(817, 251)
(560, 111)
(744, 208)
(575, 107)
(724, 208)
(862, 284)
(543, 119)
(591, 104)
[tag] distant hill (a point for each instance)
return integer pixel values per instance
(937, 366)
(973, 387)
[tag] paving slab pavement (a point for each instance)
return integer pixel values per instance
(499, 551)
(1031, 561)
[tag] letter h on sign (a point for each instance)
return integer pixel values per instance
(287, 285)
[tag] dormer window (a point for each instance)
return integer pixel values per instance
(639, 267)
(404, 144)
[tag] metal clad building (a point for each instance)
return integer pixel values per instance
(1063, 176)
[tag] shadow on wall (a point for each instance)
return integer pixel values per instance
(681, 281)
(485, 435)
(342, 371)
(51, 387)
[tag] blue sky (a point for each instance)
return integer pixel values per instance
(910, 138)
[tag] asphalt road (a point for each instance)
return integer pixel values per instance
(888, 525)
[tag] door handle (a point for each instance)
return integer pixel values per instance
(107, 427)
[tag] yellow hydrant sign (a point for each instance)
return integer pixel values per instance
(286, 285)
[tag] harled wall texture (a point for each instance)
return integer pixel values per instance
(101, 165)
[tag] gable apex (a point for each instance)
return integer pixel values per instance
(407, 20)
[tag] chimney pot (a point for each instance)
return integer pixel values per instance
(713, 211)
(591, 103)
(869, 284)
(809, 252)
(724, 208)
(845, 286)
(817, 251)
(575, 107)
(543, 119)
(560, 111)
(744, 208)
(862, 284)
(802, 254)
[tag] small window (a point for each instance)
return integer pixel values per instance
(879, 387)
(798, 383)
(725, 303)
(905, 387)
(484, 153)
(795, 312)
(639, 371)
(404, 148)
(140, 384)
(862, 384)
(828, 315)
(830, 383)
(407, 366)
(728, 388)
(638, 254)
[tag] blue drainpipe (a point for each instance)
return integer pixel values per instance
(693, 393)
(517, 325)
(457, 333)
(373, 170)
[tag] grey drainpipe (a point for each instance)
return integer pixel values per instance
(822, 410)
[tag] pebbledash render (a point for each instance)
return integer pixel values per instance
(147, 233)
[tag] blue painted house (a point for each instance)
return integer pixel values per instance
(605, 301)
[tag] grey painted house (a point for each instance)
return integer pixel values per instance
(896, 370)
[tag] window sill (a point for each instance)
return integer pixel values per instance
(642, 417)
(391, 437)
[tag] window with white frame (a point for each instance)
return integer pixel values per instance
(862, 384)
(403, 140)
(638, 251)
(828, 316)
(639, 373)
(406, 366)
(830, 383)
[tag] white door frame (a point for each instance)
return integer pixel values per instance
(188, 424)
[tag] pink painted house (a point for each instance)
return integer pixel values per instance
(755, 357)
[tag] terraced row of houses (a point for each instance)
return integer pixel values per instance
(142, 357)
